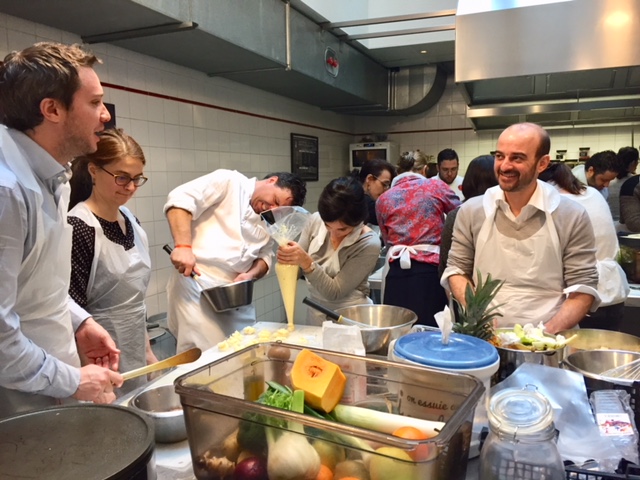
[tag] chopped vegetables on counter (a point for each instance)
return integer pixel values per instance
(249, 336)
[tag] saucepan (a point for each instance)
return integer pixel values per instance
(223, 297)
(379, 324)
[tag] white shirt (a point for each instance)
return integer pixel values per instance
(228, 236)
(612, 282)
(25, 365)
(456, 186)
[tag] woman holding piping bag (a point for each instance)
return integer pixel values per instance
(110, 263)
(336, 251)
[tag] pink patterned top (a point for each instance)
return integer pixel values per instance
(412, 212)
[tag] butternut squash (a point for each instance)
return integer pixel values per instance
(322, 381)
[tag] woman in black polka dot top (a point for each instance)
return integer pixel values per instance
(110, 264)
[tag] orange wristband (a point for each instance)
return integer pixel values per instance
(182, 246)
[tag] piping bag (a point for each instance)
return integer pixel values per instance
(285, 225)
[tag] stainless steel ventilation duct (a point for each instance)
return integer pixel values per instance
(262, 43)
(558, 63)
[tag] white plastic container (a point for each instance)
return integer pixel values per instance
(463, 354)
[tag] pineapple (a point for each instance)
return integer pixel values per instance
(475, 319)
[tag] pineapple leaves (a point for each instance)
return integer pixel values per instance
(476, 318)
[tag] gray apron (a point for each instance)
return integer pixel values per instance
(116, 290)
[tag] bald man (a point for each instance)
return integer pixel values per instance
(525, 233)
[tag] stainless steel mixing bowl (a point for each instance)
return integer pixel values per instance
(386, 323)
(162, 406)
(229, 296)
(594, 339)
(591, 363)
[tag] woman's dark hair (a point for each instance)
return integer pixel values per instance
(114, 145)
(561, 175)
(343, 199)
(479, 177)
(375, 168)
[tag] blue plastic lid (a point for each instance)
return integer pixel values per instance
(462, 352)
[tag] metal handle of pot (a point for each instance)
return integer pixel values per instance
(168, 249)
(329, 313)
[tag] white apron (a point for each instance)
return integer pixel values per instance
(331, 267)
(532, 270)
(43, 290)
(116, 290)
(193, 321)
(403, 252)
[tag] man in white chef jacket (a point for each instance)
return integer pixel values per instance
(525, 233)
(598, 171)
(51, 111)
(218, 233)
(448, 166)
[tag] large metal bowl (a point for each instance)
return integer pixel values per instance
(229, 296)
(594, 339)
(386, 323)
(591, 364)
(162, 406)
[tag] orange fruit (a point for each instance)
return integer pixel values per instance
(325, 473)
(421, 452)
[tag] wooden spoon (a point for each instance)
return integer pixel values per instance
(185, 357)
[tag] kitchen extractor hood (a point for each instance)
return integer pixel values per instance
(266, 44)
(565, 63)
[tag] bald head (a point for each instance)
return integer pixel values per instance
(525, 129)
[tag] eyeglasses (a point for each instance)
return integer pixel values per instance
(123, 180)
(386, 185)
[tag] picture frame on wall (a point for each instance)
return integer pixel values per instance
(304, 156)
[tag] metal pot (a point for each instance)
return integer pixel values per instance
(510, 359)
(594, 339)
(97, 442)
(162, 406)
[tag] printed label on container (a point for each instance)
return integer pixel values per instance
(614, 424)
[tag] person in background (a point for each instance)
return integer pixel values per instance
(336, 251)
(51, 111)
(630, 205)
(414, 161)
(628, 159)
(110, 263)
(432, 170)
(612, 281)
(411, 217)
(525, 233)
(479, 177)
(448, 165)
(376, 177)
(215, 221)
(598, 171)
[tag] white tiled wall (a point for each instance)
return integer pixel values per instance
(183, 141)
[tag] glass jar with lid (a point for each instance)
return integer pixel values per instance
(522, 439)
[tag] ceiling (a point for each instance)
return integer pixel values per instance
(555, 62)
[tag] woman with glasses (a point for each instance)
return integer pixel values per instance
(376, 177)
(110, 264)
(336, 250)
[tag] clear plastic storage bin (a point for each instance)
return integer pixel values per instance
(219, 398)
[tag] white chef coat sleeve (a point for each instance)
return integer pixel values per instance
(266, 253)
(201, 193)
(25, 365)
